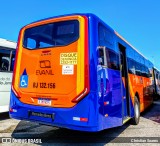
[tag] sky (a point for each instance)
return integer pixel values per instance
(138, 21)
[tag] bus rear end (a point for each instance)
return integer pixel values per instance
(51, 75)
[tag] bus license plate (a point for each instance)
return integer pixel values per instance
(43, 101)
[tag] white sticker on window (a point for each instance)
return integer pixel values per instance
(67, 69)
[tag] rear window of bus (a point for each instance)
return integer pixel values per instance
(51, 35)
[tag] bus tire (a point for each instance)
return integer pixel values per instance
(136, 118)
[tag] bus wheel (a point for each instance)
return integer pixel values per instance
(135, 119)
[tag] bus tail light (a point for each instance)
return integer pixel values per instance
(12, 110)
(87, 85)
(15, 92)
(78, 98)
(15, 64)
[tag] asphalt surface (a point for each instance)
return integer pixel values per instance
(146, 133)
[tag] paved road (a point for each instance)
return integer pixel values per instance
(148, 128)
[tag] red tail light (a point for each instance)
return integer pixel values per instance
(87, 88)
(78, 98)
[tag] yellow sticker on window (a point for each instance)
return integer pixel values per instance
(68, 58)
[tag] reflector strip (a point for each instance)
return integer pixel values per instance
(76, 118)
(15, 92)
(80, 96)
(84, 119)
(106, 103)
(106, 115)
(12, 110)
(80, 119)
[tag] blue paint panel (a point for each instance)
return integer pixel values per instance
(131, 108)
(63, 116)
(110, 98)
(124, 98)
(93, 43)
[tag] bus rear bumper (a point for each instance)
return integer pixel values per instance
(78, 117)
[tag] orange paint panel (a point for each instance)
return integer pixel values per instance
(46, 72)
(140, 85)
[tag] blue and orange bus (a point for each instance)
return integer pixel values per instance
(76, 72)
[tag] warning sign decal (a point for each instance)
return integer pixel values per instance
(68, 58)
(67, 69)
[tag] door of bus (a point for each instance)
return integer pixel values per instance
(124, 83)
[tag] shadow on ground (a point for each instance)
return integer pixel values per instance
(50, 134)
(4, 116)
(153, 112)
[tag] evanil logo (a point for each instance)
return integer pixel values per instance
(45, 66)
(44, 72)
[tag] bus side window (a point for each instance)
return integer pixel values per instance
(12, 63)
(4, 64)
(112, 59)
(100, 54)
(4, 60)
(12, 60)
(157, 76)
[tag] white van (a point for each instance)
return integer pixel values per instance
(7, 55)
